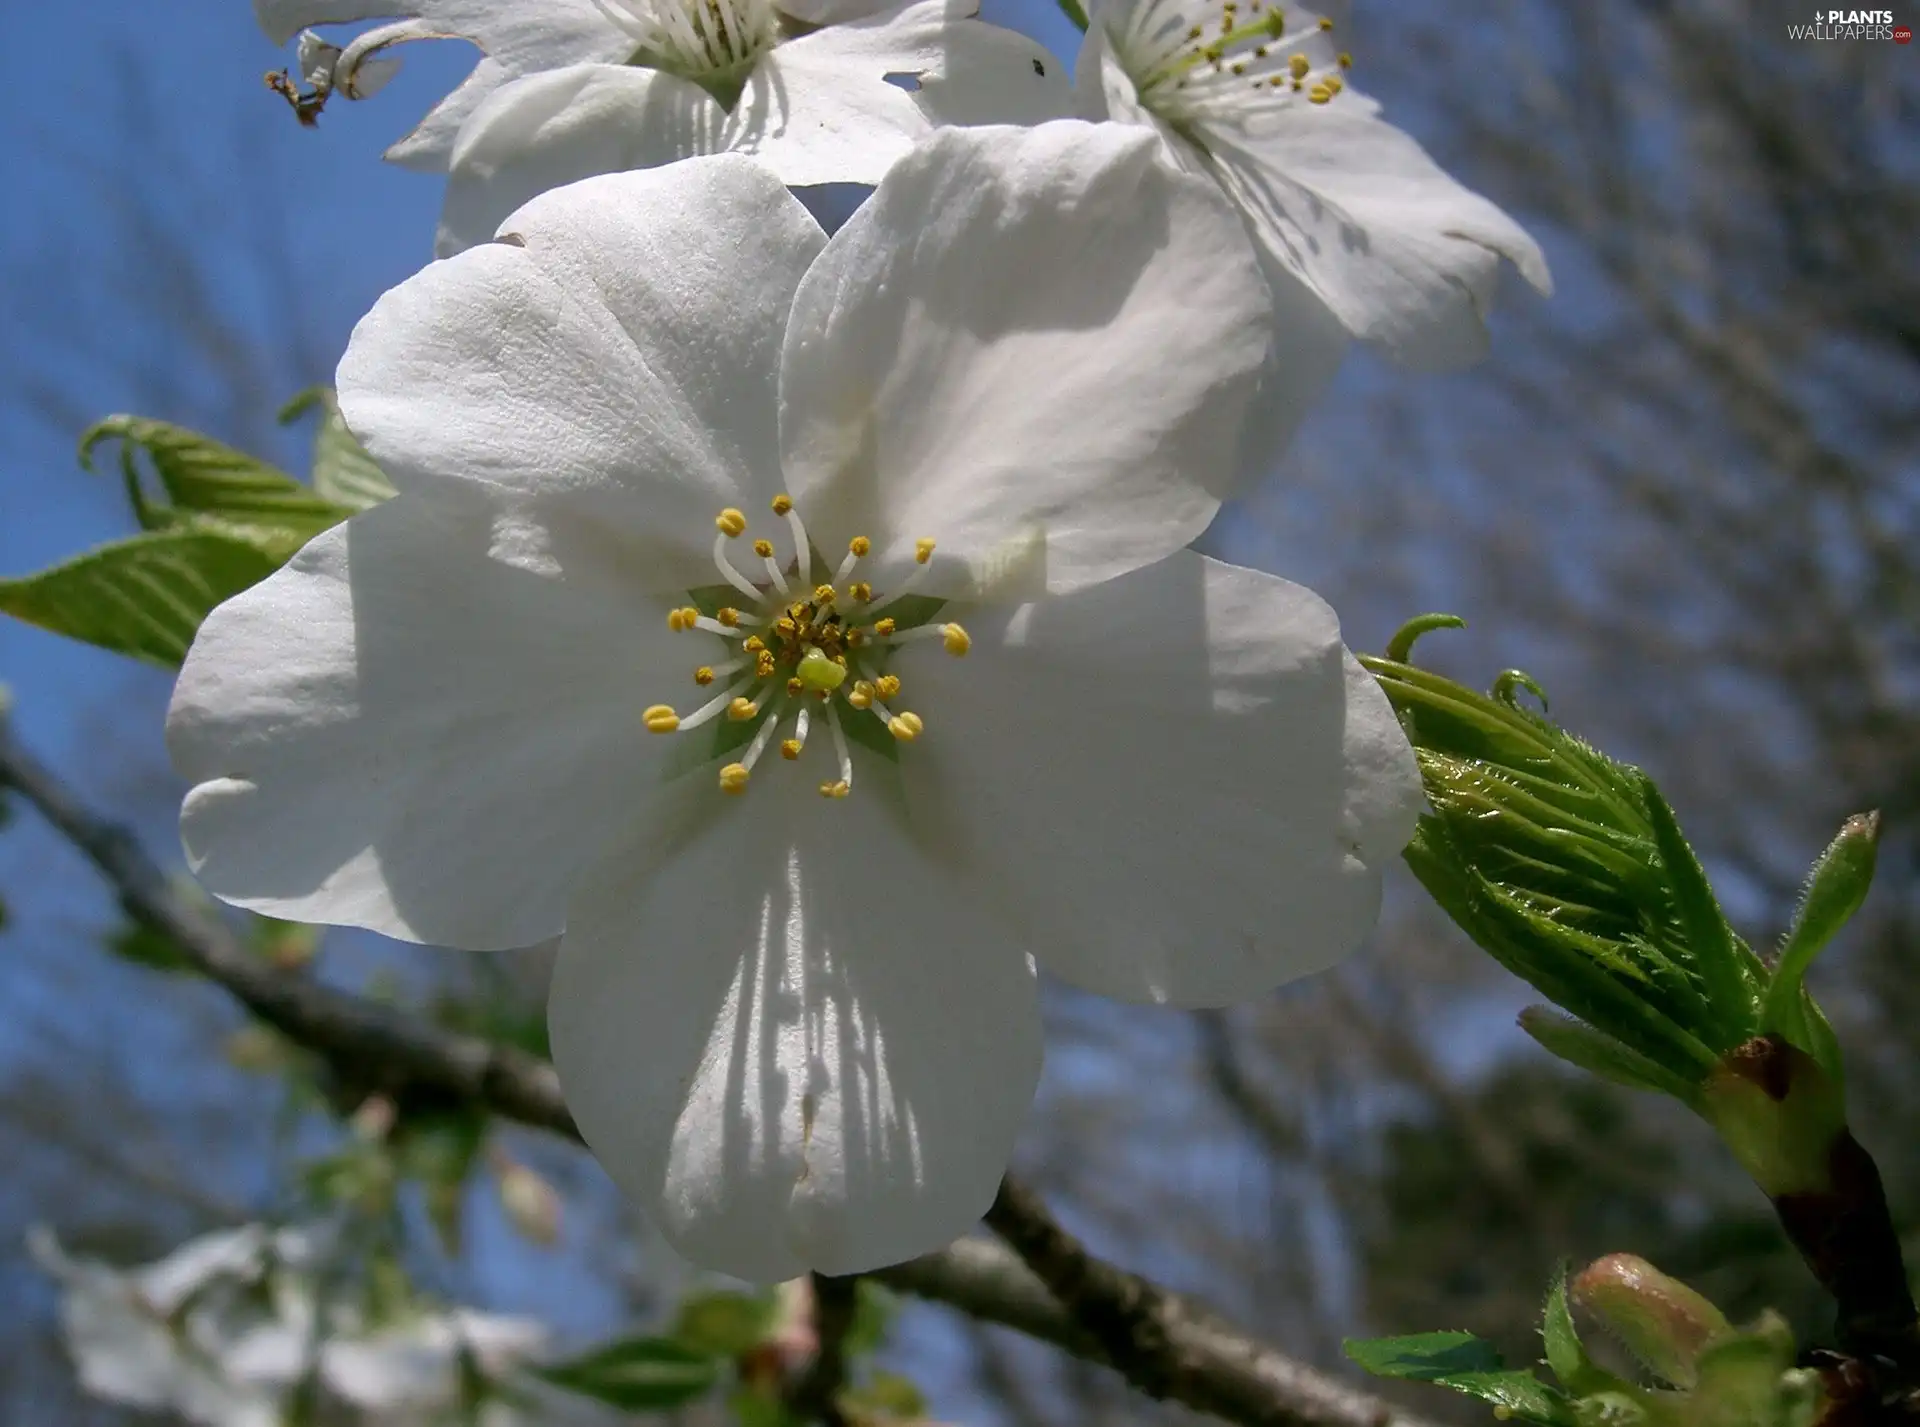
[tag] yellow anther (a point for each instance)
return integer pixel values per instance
(1275, 24)
(1298, 66)
(660, 718)
(1335, 83)
(728, 615)
(733, 778)
(922, 551)
(861, 591)
(834, 790)
(785, 627)
(1296, 86)
(906, 727)
(1196, 32)
(1325, 23)
(887, 685)
(859, 545)
(703, 676)
(794, 686)
(753, 644)
(676, 620)
(1320, 94)
(742, 709)
(730, 522)
(884, 627)
(763, 665)
(862, 695)
(790, 749)
(782, 504)
(1346, 61)
(956, 639)
(763, 548)
(824, 594)
(855, 638)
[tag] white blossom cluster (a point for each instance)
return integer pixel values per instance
(230, 1327)
(803, 628)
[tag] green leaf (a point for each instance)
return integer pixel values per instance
(1836, 886)
(1566, 1354)
(143, 597)
(1719, 958)
(1598, 1053)
(343, 472)
(149, 947)
(1468, 1365)
(724, 1325)
(215, 486)
(638, 1374)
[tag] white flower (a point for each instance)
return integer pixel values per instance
(1255, 95)
(822, 91)
(184, 1334)
(799, 1025)
(225, 1328)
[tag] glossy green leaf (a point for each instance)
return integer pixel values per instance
(143, 597)
(638, 1374)
(343, 472)
(1598, 1053)
(1468, 1365)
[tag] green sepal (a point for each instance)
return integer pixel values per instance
(637, 1374)
(1466, 1364)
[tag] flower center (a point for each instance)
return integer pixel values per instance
(710, 42)
(1186, 56)
(796, 654)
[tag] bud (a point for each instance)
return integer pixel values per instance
(1662, 1322)
(531, 1203)
(1779, 1112)
(1567, 867)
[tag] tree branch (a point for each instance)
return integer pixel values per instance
(1161, 1343)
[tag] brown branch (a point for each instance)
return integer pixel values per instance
(1162, 1344)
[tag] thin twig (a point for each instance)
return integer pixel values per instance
(1159, 1342)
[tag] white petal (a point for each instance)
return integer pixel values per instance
(230, 1253)
(1177, 786)
(1405, 256)
(417, 726)
(613, 364)
(1034, 346)
(820, 109)
(514, 38)
(834, 12)
(787, 1039)
(551, 129)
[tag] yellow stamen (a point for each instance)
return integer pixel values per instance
(861, 591)
(703, 676)
(733, 778)
(782, 504)
(1320, 94)
(834, 790)
(884, 627)
(660, 718)
(823, 594)
(887, 685)
(790, 749)
(753, 644)
(906, 727)
(956, 640)
(763, 548)
(922, 551)
(794, 686)
(676, 620)
(1299, 65)
(860, 545)
(730, 522)
(763, 665)
(1325, 23)
(1346, 61)
(862, 695)
(742, 709)
(728, 615)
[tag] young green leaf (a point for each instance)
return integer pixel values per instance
(1468, 1365)
(143, 597)
(638, 1374)
(343, 472)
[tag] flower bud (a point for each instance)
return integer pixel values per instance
(1662, 1322)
